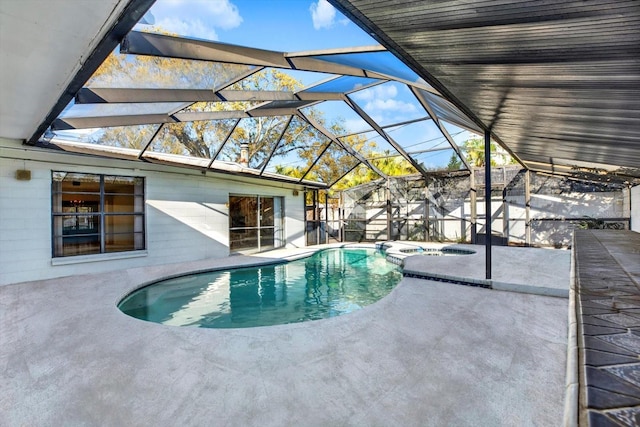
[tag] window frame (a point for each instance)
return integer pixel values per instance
(277, 228)
(105, 232)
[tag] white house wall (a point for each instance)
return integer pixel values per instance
(548, 210)
(545, 209)
(186, 214)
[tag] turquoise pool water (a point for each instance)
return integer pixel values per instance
(329, 283)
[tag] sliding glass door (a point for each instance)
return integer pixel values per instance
(255, 223)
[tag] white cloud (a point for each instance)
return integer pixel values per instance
(322, 14)
(224, 13)
(377, 92)
(355, 125)
(381, 103)
(197, 18)
(195, 28)
(390, 105)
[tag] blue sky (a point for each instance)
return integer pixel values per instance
(293, 26)
(284, 25)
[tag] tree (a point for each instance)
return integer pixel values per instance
(137, 71)
(454, 162)
(261, 134)
(276, 139)
(388, 163)
(290, 146)
(474, 153)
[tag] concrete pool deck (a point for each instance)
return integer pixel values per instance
(514, 269)
(430, 353)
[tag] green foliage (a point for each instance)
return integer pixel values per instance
(473, 149)
(293, 171)
(204, 138)
(393, 165)
(390, 165)
(454, 162)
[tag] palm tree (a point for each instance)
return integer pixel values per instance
(474, 151)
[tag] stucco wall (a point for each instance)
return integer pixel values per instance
(186, 214)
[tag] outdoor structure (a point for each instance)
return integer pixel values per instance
(234, 119)
(557, 84)
(207, 154)
(105, 167)
(527, 208)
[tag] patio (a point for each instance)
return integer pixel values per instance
(429, 352)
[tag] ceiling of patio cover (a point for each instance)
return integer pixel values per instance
(556, 82)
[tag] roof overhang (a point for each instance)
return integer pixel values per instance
(48, 49)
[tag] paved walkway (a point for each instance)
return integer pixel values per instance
(608, 302)
(430, 353)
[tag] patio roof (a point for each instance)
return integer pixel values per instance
(556, 82)
(557, 85)
(224, 101)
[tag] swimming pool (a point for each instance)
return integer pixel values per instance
(329, 283)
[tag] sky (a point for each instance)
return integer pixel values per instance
(297, 26)
(282, 25)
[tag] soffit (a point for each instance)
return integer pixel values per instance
(557, 82)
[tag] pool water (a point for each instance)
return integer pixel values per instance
(329, 283)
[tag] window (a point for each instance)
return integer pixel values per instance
(94, 214)
(255, 222)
